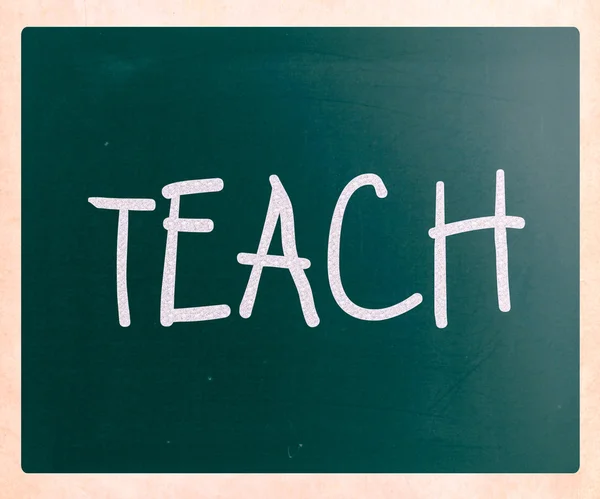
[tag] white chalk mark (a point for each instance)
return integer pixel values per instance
(280, 208)
(173, 224)
(124, 206)
(333, 258)
(499, 222)
(298, 447)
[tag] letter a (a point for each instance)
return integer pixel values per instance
(280, 206)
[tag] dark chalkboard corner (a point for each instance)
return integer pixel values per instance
(24, 32)
(26, 467)
(576, 467)
(575, 31)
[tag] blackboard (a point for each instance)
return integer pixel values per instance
(464, 381)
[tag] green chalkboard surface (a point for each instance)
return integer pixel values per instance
(378, 330)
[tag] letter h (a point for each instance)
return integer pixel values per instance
(499, 222)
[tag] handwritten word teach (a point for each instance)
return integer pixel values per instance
(280, 208)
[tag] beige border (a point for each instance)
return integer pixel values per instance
(15, 14)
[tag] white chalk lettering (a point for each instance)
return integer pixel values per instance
(280, 207)
(499, 222)
(124, 206)
(333, 258)
(173, 224)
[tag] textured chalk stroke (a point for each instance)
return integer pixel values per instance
(333, 258)
(280, 207)
(124, 206)
(499, 222)
(173, 224)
